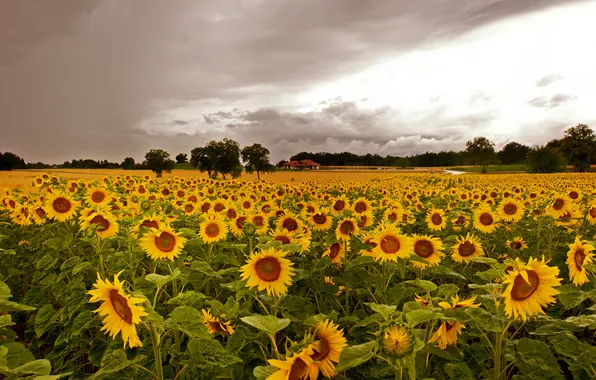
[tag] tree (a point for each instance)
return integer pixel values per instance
(481, 150)
(545, 160)
(10, 161)
(513, 153)
(128, 163)
(256, 159)
(402, 162)
(182, 158)
(218, 157)
(579, 146)
(158, 160)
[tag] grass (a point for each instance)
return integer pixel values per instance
(492, 168)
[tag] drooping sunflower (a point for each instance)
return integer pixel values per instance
(529, 287)
(485, 219)
(320, 220)
(346, 228)
(579, 255)
(328, 345)
(456, 303)
(103, 221)
(268, 270)
(60, 207)
(397, 341)
(120, 311)
(293, 368)
(163, 243)
(216, 326)
(98, 197)
(517, 244)
(391, 244)
(466, 248)
(337, 252)
(435, 219)
(447, 334)
(511, 210)
(213, 228)
(429, 248)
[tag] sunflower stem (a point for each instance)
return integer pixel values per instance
(156, 351)
(497, 355)
(274, 350)
(346, 288)
(176, 333)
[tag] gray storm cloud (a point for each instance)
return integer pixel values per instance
(82, 78)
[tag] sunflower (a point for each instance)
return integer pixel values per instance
(435, 219)
(579, 255)
(485, 219)
(392, 214)
(447, 334)
(328, 345)
(268, 270)
(60, 207)
(119, 309)
(148, 222)
(213, 228)
(460, 222)
(511, 210)
(293, 368)
(456, 303)
(466, 248)
(517, 244)
(260, 221)
(237, 225)
(337, 252)
(591, 213)
(103, 221)
(559, 205)
(38, 214)
(391, 244)
(529, 287)
(339, 204)
(162, 243)
(429, 248)
(361, 205)
(320, 220)
(214, 325)
(397, 341)
(98, 196)
(21, 215)
(575, 194)
(290, 222)
(284, 236)
(346, 228)
(365, 219)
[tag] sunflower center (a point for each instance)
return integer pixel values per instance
(339, 205)
(423, 248)
(390, 244)
(363, 220)
(40, 212)
(486, 219)
(523, 290)
(460, 220)
(246, 204)
(334, 250)
(346, 227)
(231, 213)
(165, 242)
(101, 222)
(258, 221)
(466, 249)
(268, 269)
(98, 196)
(240, 222)
(290, 224)
(322, 350)
(593, 212)
(165, 192)
(449, 325)
(219, 207)
(310, 209)
(436, 219)
(579, 258)
(212, 230)
(283, 239)
(559, 203)
(392, 217)
(150, 223)
(61, 205)
(298, 370)
(573, 195)
(319, 218)
(360, 207)
(517, 245)
(510, 209)
(120, 305)
(189, 208)
(205, 206)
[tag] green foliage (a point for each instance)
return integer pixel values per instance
(545, 160)
(218, 157)
(481, 150)
(256, 159)
(579, 146)
(158, 161)
(513, 153)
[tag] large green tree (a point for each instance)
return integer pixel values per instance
(182, 158)
(128, 163)
(218, 157)
(10, 161)
(256, 159)
(579, 146)
(158, 161)
(481, 151)
(544, 159)
(513, 153)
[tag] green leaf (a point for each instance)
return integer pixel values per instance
(6, 321)
(415, 317)
(451, 352)
(17, 355)
(447, 290)
(427, 286)
(583, 321)
(206, 354)
(36, 367)
(536, 358)
(484, 260)
(262, 372)
(188, 320)
(458, 371)
(268, 324)
(353, 356)
(160, 280)
(81, 267)
(203, 267)
(315, 319)
(45, 317)
(489, 288)
(486, 321)
(384, 310)
(115, 361)
(571, 296)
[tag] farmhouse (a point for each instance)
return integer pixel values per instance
(302, 164)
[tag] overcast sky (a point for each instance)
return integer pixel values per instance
(114, 78)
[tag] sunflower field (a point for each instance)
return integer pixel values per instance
(411, 276)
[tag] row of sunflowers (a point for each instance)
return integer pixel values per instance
(404, 276)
